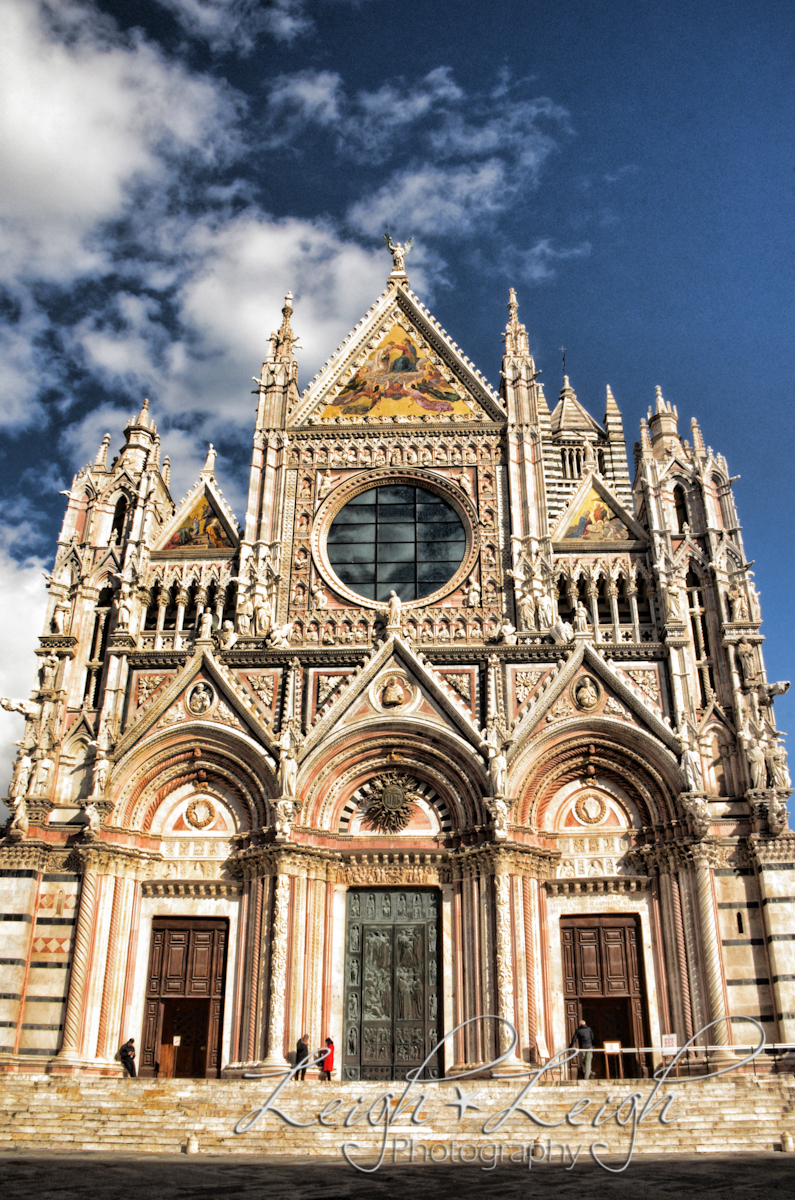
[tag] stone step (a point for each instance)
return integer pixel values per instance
(743, 1113)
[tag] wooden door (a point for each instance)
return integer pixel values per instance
(187, 962)
(601, 959)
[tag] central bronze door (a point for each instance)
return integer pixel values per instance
(392, 1006)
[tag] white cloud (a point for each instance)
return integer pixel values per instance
(368, 125)
(88, 115)
(469, 156)
(237, 24)
(536, 264)
(23, 601)
(236, 273)
(23, 376)
(435, 199)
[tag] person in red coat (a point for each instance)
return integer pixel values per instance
(328, 1061)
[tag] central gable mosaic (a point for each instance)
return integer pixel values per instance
(400, 379)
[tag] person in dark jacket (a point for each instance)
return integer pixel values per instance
(301, 1055)
(127, 1056)
(328, 1061)
(584, 1037)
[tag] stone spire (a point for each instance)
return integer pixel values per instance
(663, 426)
(140, 437)
(282, 344)
(101, 461)
(515, 337)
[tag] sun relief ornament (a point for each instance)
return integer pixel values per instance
(390, 807)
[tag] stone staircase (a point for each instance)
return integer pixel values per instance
(742, 1113)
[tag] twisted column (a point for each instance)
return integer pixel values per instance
(710, 940)
(530, 958)
(278, 964)
(681, 954)
(256, 961)
(110, 967)
(70, 1047)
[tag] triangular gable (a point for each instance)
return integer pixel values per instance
(556, 692)
(202, 664)
(398, 366)
(444, 700)
(595, 517)
(201, 527)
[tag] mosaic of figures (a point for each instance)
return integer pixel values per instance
(595, 521)
(400, 378)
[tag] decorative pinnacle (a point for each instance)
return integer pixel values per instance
(285, 340)
(143, 416)
(100, 462)
(515, 336)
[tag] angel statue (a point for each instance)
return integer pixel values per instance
(398, 250)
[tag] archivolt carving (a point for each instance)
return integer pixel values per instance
(588, 756)
(136, 805)
(449, 779)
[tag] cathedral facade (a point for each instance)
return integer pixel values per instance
(463, 722)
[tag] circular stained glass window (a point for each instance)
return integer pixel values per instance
(396, 538)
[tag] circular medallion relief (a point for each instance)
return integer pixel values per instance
(200, 699)
(590, 809)
(200, 812)
(393, 692)
(586, 693)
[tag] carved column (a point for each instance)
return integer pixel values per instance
(612, 592)
(254, 950)
(530, 906)
(504, 956)
(711, 949)
(104, 1042)
(593, 600)
(632, 593)
(681, 956)
(278, 975)
(70, 1047)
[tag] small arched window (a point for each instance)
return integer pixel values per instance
(680, 504)
(717, 492)
(119, 518)
(701, 644)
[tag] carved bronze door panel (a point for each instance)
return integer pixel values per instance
(392, 1005)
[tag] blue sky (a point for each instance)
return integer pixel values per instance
(170, 168)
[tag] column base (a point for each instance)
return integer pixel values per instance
(511, 1067)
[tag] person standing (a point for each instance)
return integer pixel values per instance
(584, 1037)
(301, 1055)
(127, 1056)
(328, 1061)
